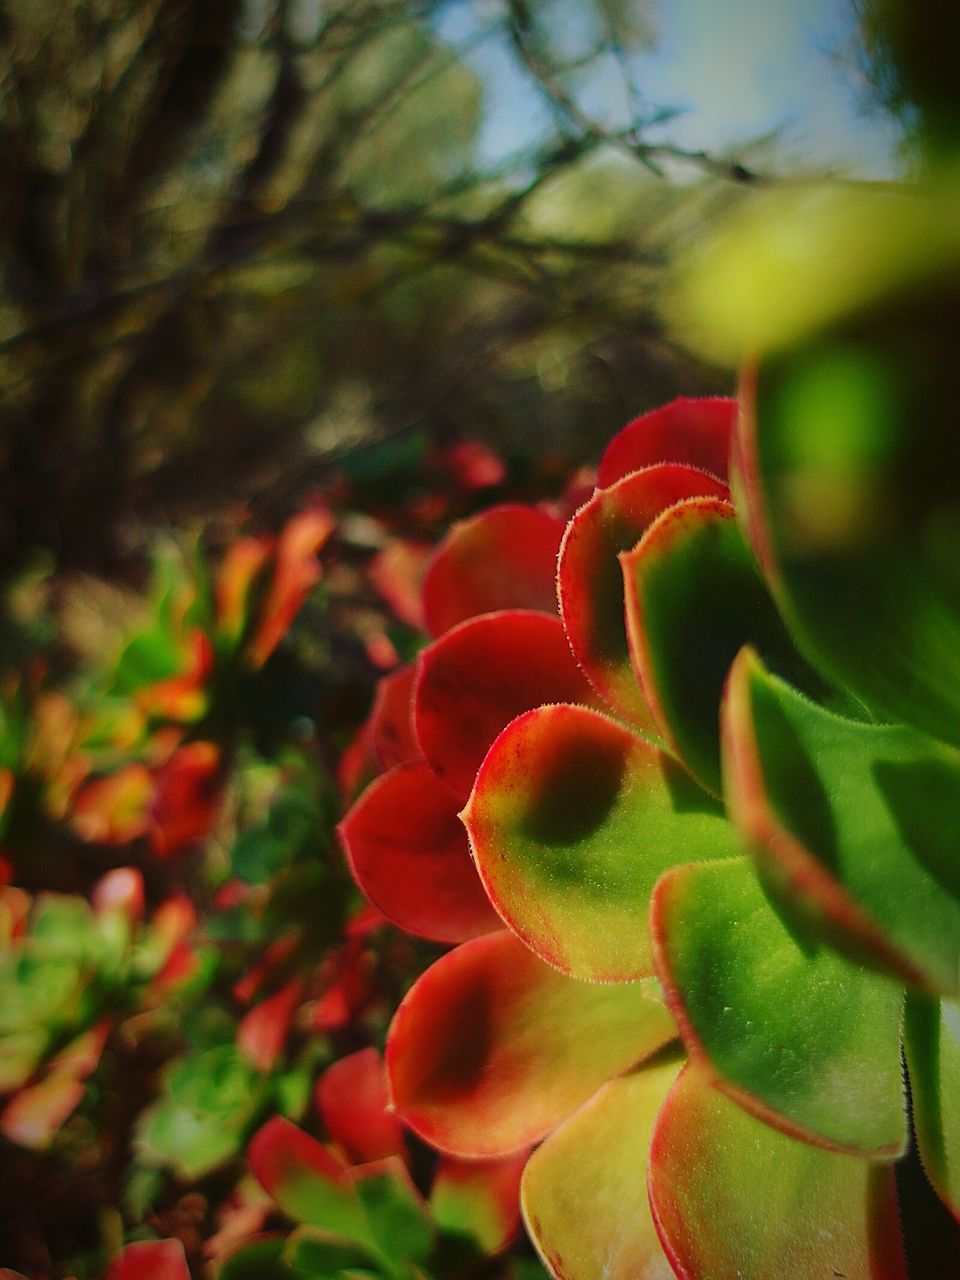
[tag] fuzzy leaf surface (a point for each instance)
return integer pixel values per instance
(795, 1033)
(572, 820)
(853, 824)
(733, 1197)
(491, 1047)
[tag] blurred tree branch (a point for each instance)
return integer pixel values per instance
(203, 192)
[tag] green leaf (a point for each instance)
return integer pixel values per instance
(262, 1259)
(572, 820)
(694, 597)
(853, 825)
(584, 1191)
(320, 1255)
(803, 1038)
(400, 1221)
(589, 580)
(308, 1181)
(848, 463)
(932, 1044)
(733, 1197)
(201, 1120)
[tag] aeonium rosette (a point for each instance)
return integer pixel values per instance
(566, 771)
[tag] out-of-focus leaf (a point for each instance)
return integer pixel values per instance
(479, 1199)
(932, 1044)
(353, 1100)
(399, 1219)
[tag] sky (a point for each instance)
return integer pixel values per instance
(741, 68)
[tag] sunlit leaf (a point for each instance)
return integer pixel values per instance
(572, 820)
(796, 1034)
(408, 852)
(733, 1197)
(492, 1047)
(480, 675)
(585, 1189)
(504, 558)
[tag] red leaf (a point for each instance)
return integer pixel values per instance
(241, 567)
(352, 1098)
(590, 580)
(185, 799)
(397, 572)
(481, 675)
(504, 558)
(113, 809)
(279, 1149)
(390, 726)
(491, 1047)
(33, 1116)
(263, 1031)
(408, 852)
(473, 465)
(696, 432)
(150, 1260)
(296, 570)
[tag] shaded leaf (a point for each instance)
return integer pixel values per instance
(590, 579)
(852, 824)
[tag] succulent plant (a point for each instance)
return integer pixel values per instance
(357, 1210)
(685, 800)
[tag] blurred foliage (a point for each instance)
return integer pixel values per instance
(181, 948)
(243, 238)
(908, 56)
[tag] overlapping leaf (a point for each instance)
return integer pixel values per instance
(733, 1197)
(478, 677)
(795, 1033)
(504, 558)
(491, 1047)
(572, 819)
(584, 1191)
(693, 598)
(590, 582)
(853, 824)
(408, 851)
